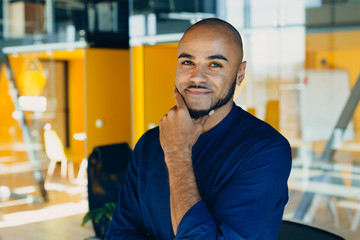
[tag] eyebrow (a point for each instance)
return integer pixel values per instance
(185, 55)
(212, 57)
(218, 56)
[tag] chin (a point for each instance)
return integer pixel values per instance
(197, 105)
(196, 114)
(197, 108)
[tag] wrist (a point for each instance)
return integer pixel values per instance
(178, 154)
(177, 160)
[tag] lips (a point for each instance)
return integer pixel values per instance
(198, 91)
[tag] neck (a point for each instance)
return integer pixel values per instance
(218, 116)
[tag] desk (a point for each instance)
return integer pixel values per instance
(20, 147)
(350, 147)
(318, 186)
(327, 189)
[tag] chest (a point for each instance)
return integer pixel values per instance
(212, 171)
(153, 190)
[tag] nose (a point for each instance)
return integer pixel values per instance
(199, 74)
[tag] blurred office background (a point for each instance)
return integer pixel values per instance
(80, 74)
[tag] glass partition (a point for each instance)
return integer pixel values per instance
(42, 109)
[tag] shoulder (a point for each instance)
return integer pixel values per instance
(259, 139)
(149, 135)
(258, 130)
(148, 143)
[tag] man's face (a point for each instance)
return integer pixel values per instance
(208, 68)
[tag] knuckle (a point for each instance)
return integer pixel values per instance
(162, 120)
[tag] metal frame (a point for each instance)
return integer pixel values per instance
(32, 154)
(342, 123)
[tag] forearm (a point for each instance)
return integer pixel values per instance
(183, 188)
(178, 134)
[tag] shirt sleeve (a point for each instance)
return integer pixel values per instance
(250, 205)
(127, 222)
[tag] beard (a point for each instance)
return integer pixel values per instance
(196, 114)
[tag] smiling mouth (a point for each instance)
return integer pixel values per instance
(198, 91)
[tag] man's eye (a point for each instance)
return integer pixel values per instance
(215, 65)
(187, 63)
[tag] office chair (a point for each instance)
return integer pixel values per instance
(54, 150)
(106, 176)
(297, 231)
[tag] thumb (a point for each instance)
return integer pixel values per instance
(201, 121)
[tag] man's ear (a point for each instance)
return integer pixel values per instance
(241, 73)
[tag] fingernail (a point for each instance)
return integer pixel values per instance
(211, 112)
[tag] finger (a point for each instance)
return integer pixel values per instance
(200, 124)
(179, 99)
(201, 121)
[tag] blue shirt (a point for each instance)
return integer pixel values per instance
(241, 167)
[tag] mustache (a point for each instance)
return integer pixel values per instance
(198, 86)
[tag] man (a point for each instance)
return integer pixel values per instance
(211, 170)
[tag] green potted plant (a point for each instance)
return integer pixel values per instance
(99, 213)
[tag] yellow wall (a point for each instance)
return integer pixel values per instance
(154, 69)
(107, 94)
(76, 93)
(138, 96)
(9, 128)
(341, 50)
(98, 88)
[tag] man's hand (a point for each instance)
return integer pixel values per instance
(178, 134)
(178, 131)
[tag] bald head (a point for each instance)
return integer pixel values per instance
(218, 23)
